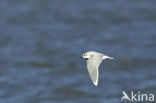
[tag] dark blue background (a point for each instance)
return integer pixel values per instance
(41, 42)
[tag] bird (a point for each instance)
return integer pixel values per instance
(93, 60)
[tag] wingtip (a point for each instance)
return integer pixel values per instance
(95, 83)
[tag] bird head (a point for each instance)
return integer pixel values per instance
(86, 55)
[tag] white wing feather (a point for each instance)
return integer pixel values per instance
(92, 66)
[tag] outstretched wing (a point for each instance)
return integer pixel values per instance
(92, 66)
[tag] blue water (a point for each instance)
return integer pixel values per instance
(41, 42)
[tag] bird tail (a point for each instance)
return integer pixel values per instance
(107, 57)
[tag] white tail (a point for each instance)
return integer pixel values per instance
(107, 57)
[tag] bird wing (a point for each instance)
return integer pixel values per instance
(92, 66)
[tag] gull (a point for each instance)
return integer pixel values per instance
(93, 61)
